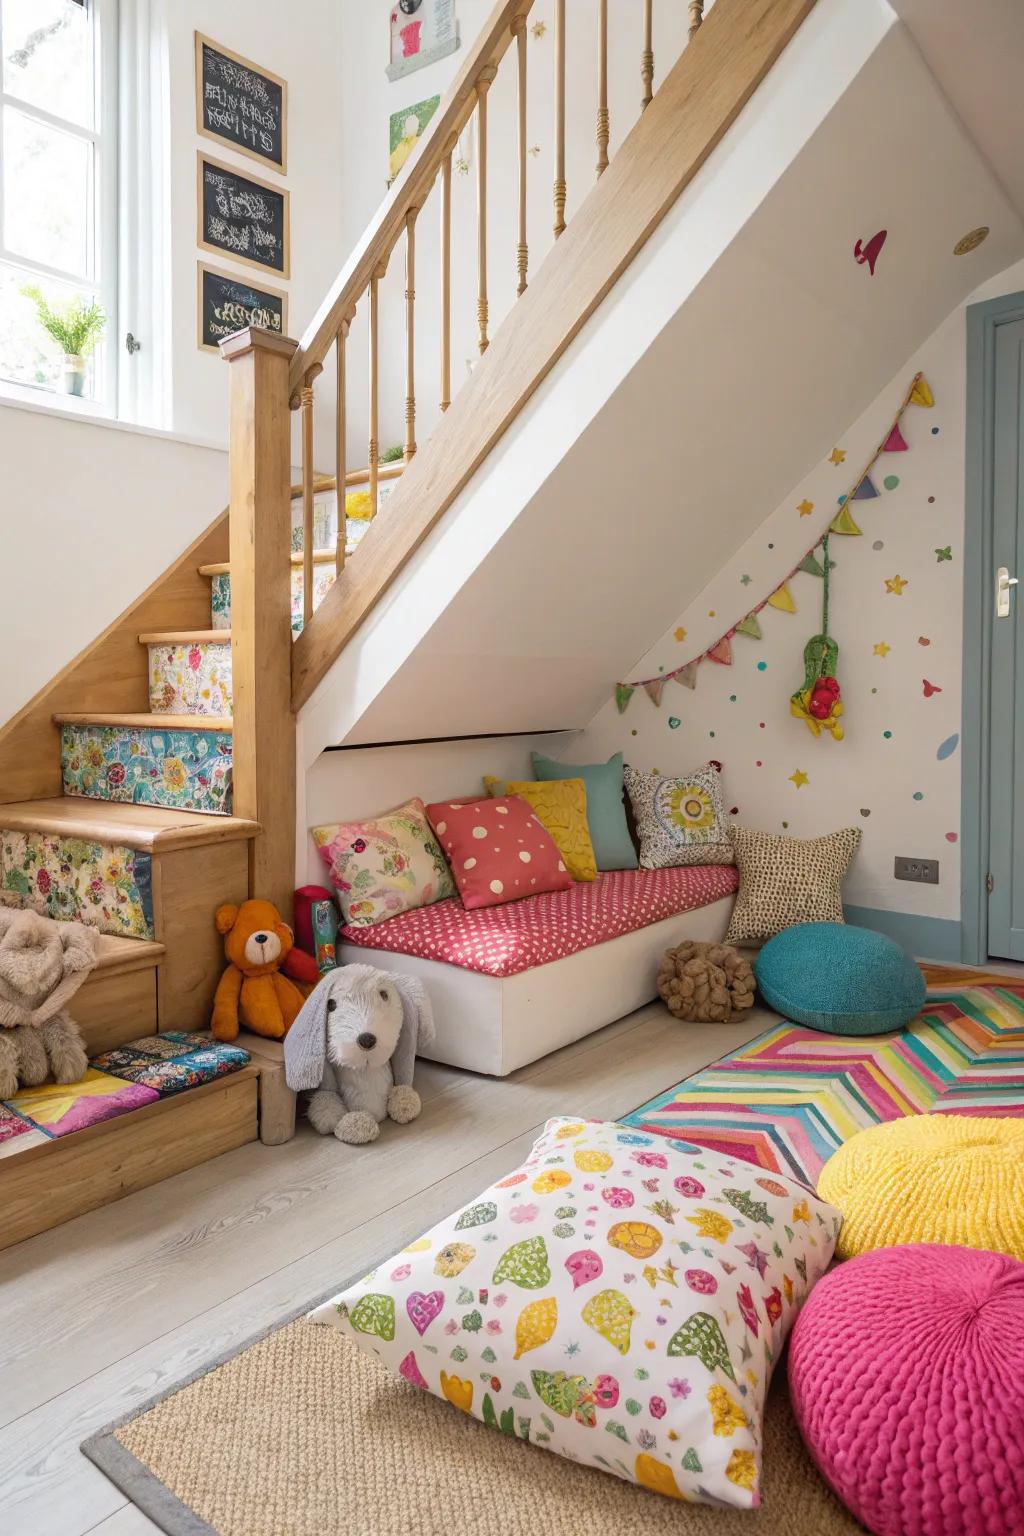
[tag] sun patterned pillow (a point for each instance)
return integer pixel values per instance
(498, 849)
(679, 820)
(620, 1299)
(561, 806)
(384, 866)
(788, 880)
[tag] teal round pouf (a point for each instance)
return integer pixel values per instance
(841, 979)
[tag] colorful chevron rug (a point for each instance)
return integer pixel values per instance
(793, 1095)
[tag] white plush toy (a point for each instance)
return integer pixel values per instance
(354, 1044)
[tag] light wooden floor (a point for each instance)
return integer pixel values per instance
(99, 1315)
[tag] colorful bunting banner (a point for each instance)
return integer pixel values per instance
(781, 598)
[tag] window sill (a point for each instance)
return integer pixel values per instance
(90, 412)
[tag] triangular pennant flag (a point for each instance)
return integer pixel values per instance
(749, 626)
(810, 565)
(722, 652)
(782, 600)
(687, 675)
(623, 694)
(654, 690)
(921, 394)
(865, 491)
(843, 522)
(895, 442)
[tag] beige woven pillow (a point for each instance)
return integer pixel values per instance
(788, 880)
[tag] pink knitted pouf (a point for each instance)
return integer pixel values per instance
(906, 1373)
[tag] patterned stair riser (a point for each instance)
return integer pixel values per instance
(68, 878)
(193, 679)
(220, 595)
(181, 770)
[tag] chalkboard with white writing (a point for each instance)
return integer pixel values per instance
(241, 104)
(228, 304)
(242, 217)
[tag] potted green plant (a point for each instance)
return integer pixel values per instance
(76, 327)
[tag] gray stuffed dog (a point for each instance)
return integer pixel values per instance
(354, 1044)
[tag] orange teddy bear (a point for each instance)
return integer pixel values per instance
(252, 990)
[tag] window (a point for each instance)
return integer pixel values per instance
(58, 183)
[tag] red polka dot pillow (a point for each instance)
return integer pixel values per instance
(498, 850)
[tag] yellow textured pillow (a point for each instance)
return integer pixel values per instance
(560, 805)
(358, 505)
(953, 1179)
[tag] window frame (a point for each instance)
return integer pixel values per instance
(103, 137)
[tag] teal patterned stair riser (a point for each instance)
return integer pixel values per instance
(182, 770)
(220, 601)
(193, 679)
(220, 596)
(70, 878)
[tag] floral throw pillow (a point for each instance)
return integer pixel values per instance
(679, 820)
(620, 1299)
(384, 866)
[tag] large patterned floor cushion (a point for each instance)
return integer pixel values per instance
(60, 1108)
(618, 1299)
(840, 978)
(505, 940)
(930, 1179)
(16, 1134)
(173, 1062)
(906, 1374)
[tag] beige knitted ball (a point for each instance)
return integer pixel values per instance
(705, 982)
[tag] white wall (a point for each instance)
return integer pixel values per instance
(885, 776)
(90, 515)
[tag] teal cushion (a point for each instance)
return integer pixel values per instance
(606, 813)
(842, 979)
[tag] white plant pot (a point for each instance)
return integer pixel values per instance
(73, 377)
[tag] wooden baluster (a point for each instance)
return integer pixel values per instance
(446, 279)
(373, 447)
(696, 15)
(483, 85)
(559, 184)
(522, 249)
(339, 447)
(410, 325)
(306, 406)
(602, 87)
(647, 57)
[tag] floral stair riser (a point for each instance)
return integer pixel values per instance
(72, 879)
(180, 770)
(192, 679)
(220, 595)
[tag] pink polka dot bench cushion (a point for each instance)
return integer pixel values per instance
(906, 1373)
(502, 941)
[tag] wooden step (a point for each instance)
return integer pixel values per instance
(150, 828)
(53, 1181)
(151, 722)
(187, 637)
(118, 1000)
(320, 557)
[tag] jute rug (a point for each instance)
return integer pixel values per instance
(301, 1434)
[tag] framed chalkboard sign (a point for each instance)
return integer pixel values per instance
(242, 217)
(228, 304)
(241, 104)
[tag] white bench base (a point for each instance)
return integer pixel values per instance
(494, 1024)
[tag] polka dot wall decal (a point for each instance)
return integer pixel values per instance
(761, 724)
(771, 546)
(951, 837)
(674, 722)
(931, 499)
(711, 613)
(732, 698)
(891, 482)
(735, 811)
(923, 640)
(878, 544)
(762, 666)
(935, 431)
(711, 733)
(887, 735)
(865, 813)
(948, 747)
(918, 795)
(785, 826)
(759, 764)
(874, 690)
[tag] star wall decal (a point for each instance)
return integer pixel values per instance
(799, 778)
(881, 649)
(837, 455)
(745, 580)
(895, 585)
(944, 554)
(680, 633)
(538, 29)
(805, 507)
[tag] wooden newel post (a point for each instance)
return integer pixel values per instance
(261, 633)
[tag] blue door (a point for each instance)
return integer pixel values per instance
(1006, 617)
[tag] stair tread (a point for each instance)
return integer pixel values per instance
(186, 637)
(150, 828)
(155, 722)
(223, 567)
(118, 954)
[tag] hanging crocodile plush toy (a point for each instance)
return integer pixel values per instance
(819, 702)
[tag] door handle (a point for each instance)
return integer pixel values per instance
(1004, 581)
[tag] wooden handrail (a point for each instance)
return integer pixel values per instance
(408, 192)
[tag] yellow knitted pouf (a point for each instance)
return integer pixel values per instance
(955, 1179)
